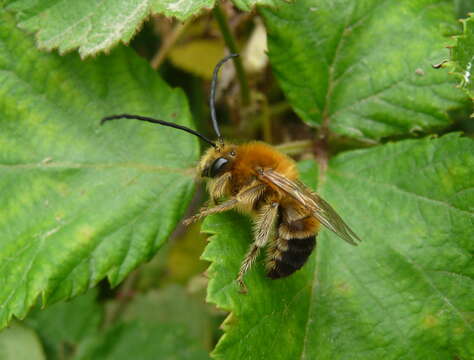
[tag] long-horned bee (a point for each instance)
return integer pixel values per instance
(257, 179)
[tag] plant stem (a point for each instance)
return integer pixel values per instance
(168, 44)
(295, 147)
(266, 121)
(121, 303)
(279, 108)
(231, 44)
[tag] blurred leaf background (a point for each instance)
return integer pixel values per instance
(94, 263)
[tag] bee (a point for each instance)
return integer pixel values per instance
(256, 179)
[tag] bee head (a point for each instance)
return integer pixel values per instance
(217, 161)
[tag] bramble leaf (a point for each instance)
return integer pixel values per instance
(404, 293)
(364, 68)
(81, 202)
(181, 9)
(96, 26)
(89, 25)
(247, 5)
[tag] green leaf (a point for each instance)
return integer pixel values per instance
(164, 324)
(145, 341)
(66, 326)
(247, 5)
(20, 343)
(81, 202)
(91, 26)
(184, 9)
(404, 293)
(462, 57)
(364, 68)
(181, 9)
(174, 306)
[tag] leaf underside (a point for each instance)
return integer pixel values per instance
(364, 68)
(81, 202)
(93, 26)
(404, 293)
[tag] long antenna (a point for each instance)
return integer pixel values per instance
(212, 98)
(156, 121)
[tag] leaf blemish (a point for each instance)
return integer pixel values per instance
(430, 321)
(59, 216)
(343, 288)
(419, 72)
(62, 189)
(85, 233)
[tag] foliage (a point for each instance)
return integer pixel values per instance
(462, 56)
(73, 329)
(385, 139)
(83, 202)
(93, 26)
(20, 343)
(406, 292)
(364, 67)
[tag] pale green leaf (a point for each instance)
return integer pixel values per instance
(364, 68)
(20, 343)
(91, 26)
(181, 9)
(81, 202)
(247, 5)
(404, 293)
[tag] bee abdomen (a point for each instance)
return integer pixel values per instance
(292, 248)
(284, 263)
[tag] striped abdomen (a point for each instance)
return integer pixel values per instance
(295, 241)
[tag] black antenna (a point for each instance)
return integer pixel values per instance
(161, 122)
(212, 100)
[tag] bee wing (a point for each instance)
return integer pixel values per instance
(320, 208)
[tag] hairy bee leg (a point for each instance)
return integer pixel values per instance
(226, 205)
(249, 259)
(219, 187)
(264, 228)
(247, 196)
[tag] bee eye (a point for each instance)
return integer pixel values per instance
(217, 167)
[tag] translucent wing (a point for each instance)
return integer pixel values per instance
(320, 208)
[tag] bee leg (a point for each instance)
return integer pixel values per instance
(212, 201)
(264, 228)
(245, 196)
(226, 205)
(249, 259)
(219, 187)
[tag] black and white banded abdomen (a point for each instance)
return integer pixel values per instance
(294, 243)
